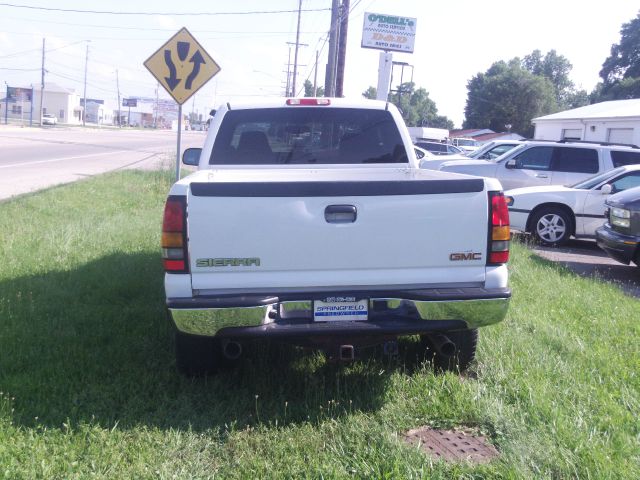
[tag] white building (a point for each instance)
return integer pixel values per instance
(616, 121)
(62, 102)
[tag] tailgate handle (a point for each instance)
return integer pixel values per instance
(340, 214)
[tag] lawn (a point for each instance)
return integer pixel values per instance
(89, 386)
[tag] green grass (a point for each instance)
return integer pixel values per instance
(89, 386)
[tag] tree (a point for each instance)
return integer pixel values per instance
(508, 94)
(308, 90)
(556, 69)
(621, 70)
(417, 109)
(370, 93)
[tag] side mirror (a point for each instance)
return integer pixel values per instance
(191, 156)
(606, 189)
(510, 164)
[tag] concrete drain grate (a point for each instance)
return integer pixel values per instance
(451, 446)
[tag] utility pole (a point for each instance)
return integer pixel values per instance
(84, 108)
(288, 74)
(42, 83)
(118, 87)
(342, 47)
(155, 120)
(292, 82)
(295, 56)
(334, 30)
(315, 77)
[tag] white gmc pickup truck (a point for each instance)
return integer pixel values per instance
(308, 221)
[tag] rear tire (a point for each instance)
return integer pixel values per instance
(465, 352)
(551, 226)
(197, 356)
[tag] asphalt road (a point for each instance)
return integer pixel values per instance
(36, 158)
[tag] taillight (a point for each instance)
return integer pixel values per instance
(308, 101)
(174, 235)
(499, 234)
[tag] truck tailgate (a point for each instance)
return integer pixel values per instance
(285, 233)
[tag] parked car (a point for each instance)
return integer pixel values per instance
(554, 213)
(540, 162)
(467, 145)
(49, 119)
(494, 149)
(620, 235)
(426, 156)
(439, 148)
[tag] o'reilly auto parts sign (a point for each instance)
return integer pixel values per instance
(388, 32)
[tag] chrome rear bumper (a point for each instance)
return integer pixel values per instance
(407, 312)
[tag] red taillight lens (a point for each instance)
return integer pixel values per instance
(174, 232)
(499, 234)
(308, 101)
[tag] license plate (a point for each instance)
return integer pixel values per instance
(340, 309)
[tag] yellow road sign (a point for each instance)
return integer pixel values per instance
(182, 66)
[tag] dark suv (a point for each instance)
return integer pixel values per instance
(620, 235)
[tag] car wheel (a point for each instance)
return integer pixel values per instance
(195, 355)
(551, 226)
(462, 353)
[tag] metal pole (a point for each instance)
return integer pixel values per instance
(6, 106)
(118, 87)
(42, 84)
(84, 108)
(179, 138)
(31, 109)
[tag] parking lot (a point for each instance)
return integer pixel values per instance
(587, 260)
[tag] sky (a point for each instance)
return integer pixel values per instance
(455, 40)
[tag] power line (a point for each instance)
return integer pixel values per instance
(105, 12)
(37, 49)
(116, 27)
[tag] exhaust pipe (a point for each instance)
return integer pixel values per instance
(443, 345)
(346, 353)
(231, 350)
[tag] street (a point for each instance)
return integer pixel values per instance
(36, 158)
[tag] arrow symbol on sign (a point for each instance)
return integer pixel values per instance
(197, 59)
(183, 50)
(172, 80)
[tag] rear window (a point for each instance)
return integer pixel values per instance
(307, 135)
(433, 147)
(621, 158)
(576, 160)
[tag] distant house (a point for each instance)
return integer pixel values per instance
(484, 135)
(62, 102)
(617, 121)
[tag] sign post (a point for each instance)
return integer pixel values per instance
(182, 66)
(390, 33)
